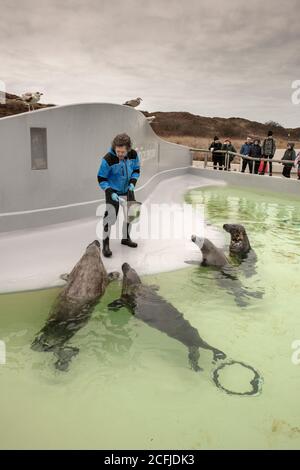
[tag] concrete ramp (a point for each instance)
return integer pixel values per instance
(35, 258)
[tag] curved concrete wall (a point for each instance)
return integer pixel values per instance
(77, 137)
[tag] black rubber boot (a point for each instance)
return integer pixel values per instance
(106, 251)
(126, 240)
(129, 242)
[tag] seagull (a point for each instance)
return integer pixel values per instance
(150, 119)
(31, 98)
(133, 103)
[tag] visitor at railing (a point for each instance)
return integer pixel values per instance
(297, 165)
(245, 150)
(289, 154)
(255, 152)
(251, 155)
(268, 151)
(217, 156)
(228, 147)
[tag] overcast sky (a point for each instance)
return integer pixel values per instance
(208, 57)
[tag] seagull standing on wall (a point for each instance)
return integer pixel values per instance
(150, 119)
(133, 103)
(31, 98)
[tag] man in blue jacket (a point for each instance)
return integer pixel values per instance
(117, 176)
(245, 150)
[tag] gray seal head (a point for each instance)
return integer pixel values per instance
(88, 279)
(131, 279)
(211, 255)
(239, 243)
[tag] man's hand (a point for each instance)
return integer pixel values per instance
(131, 187)
(115, 197)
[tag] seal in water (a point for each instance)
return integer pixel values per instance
(240, 249)
(211, 255)
(227, 274)
(73, 307)
(144, 302)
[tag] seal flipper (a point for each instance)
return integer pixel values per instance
(194, 356)
(218, 355)
(42, 343)
(243, 295)
(64, 277)
(116, 304)
(258, 294)
(113, 276)
(154, 287)
(193, 262)
(65, 355)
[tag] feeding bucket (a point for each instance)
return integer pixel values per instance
(133, 211)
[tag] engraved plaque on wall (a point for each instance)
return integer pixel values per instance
(38, 138)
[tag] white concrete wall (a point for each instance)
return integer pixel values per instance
(77, 138)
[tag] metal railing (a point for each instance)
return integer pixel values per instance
(228, 153)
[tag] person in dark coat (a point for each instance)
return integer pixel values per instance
(268, 151)
(217, 156)
(255, 152)
(289, 154)
(297, 165)
(245, 150)
(228, 147)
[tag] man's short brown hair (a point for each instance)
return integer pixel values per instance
(121, 140)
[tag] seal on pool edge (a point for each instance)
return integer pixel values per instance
(146, 305)
(255, 383)
(73, 307)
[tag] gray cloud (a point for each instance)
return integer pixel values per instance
(209, 57)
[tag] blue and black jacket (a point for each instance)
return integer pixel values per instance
(114, 175)
(245, 149)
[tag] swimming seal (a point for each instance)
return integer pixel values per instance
(228, 273)
(145, 304)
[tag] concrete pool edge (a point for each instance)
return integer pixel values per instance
(35, 258)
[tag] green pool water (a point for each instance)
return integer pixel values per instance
(131, 387)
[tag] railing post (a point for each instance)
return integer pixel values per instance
(205, 160)
(192, 156)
